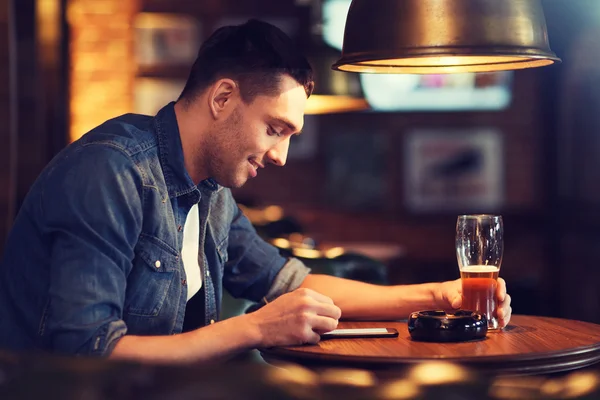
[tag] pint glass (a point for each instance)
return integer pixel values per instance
(479, 247)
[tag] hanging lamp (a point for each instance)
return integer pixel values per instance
(335, 91)
(444, 36)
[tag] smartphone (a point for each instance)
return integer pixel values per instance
(360, 333)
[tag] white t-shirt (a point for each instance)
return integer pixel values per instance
(190, 254)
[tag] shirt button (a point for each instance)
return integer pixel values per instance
(212, 321)
(208, 273)
(157, 264)
(179, 228)
(183, 282)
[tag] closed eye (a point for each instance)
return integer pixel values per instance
(273, 132)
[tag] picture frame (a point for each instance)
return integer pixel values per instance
(458, 171)
(163, 39)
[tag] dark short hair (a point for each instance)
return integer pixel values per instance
(255, 54)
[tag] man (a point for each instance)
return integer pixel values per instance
(126, 240)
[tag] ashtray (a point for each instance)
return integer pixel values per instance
(439, 326)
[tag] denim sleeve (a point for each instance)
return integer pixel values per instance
(92, 213)
(255, 269)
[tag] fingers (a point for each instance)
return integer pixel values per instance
(501, 290)
(504, 312)
(323, 324)
(319, 304)
(450, 298)
(315, 295)
(310, 337)
(504, 309)
(505, 320)
(315, 313)
(310, 328)
(456, 303)
(320, 315)
(327, 310)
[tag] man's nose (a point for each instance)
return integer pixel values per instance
(278, 154)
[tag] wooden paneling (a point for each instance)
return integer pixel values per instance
(40, 84)
(33, 106)
(32, 140)
(7, 133)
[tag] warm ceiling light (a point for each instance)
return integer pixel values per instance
(444, 36)
(335, 92)
(331, 104)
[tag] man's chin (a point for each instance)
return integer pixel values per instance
(234, 183)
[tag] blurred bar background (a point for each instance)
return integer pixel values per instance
(385, 178)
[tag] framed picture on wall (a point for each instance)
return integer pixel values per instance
(453, 170)
(166, 39)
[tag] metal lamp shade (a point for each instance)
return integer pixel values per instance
(444, 36)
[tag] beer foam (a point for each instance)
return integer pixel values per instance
(480, 268)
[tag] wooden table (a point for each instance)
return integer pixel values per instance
(529, 345)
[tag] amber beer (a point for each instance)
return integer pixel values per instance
(479, 284)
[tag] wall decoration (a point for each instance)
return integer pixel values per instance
(166, 39)
(453, 171)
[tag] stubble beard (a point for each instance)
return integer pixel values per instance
(225, 162)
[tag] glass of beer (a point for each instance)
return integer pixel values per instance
(479, 248)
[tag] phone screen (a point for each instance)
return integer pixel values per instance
(360, 333)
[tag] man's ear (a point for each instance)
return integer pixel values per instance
(221, 97)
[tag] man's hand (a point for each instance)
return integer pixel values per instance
(449, 297)
(295, 318)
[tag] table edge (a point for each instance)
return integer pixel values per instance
(276, 351)
(515, 368)
(552, 361)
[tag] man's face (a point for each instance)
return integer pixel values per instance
(256, 134)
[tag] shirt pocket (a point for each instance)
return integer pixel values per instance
(151, 277)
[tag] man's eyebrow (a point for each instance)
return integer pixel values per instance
(287, 123)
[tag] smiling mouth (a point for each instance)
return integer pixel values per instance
(255, 164)
(253, 170)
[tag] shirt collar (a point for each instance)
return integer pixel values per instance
(177, 179)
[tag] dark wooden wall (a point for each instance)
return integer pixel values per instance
(33, 94)
(572, 93)
(7, 131)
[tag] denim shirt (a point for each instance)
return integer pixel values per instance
(95, 251)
